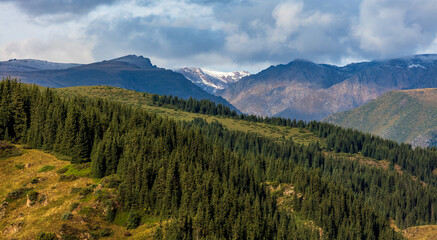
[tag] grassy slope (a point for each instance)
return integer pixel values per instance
(23, 222)
(144, 100)
(397, 115)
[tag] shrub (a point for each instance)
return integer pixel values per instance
(74, 206)
(46, 168)
(111, 181)
(133, 220)
(87, 211)
(19, 166)
(67, 178)
(106, 232)
(46, 236)
(86, 191)
(17, 193)
(35, 180)
(63, 170)
(66, 216)
(33, 196)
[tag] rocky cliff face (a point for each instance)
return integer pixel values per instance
(309, 91)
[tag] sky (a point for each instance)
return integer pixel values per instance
(223, 35)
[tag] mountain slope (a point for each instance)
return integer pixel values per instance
(211, 81)
(305, 90)
(404, 116)
(130, 72)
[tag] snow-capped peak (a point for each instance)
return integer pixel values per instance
(227, 77)
(209, 80)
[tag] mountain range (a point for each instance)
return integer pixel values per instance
(305, 90)
(404, 116)
(130, 72)
(300, 89)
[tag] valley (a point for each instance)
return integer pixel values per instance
(330, 158)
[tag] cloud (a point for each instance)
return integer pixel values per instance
(50, 7)
(243, 33)
(56, 50)
(388, 28)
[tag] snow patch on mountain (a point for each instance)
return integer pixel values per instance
(209, 80)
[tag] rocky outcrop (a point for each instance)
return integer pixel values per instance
(428, 139)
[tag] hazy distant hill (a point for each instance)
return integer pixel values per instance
(130, 72)
(28, 65)
(404, 116)
(306, 90)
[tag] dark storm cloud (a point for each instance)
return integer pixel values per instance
(47, 7)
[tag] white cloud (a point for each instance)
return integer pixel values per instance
(240, 33)
(56, 50)
(389, 28)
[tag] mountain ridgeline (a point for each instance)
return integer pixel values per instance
(214, 183)
(130, 72)
(309, 91)
(404, 116)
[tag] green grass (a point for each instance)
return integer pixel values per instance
(46, 168)
(78, 170)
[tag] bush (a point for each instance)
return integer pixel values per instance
(46, 236)
(105, 232)
(35, 180)
(17, 193)
(133, 220)
(33, 196)
(63, 170)
(46, 168)
(111, 181)
(19, 166)
(66, 216)
(74, 206)
(67, 178)
(86, 191)
(75, 190)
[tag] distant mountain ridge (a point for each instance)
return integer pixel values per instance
(28, 65)
(131, 72)
(404, 116)
(305, 90)
(209, 80)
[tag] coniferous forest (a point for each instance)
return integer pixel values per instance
(213, 183)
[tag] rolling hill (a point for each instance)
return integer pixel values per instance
(404, 116)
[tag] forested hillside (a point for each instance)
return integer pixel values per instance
(408, 116)
(214, 183)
